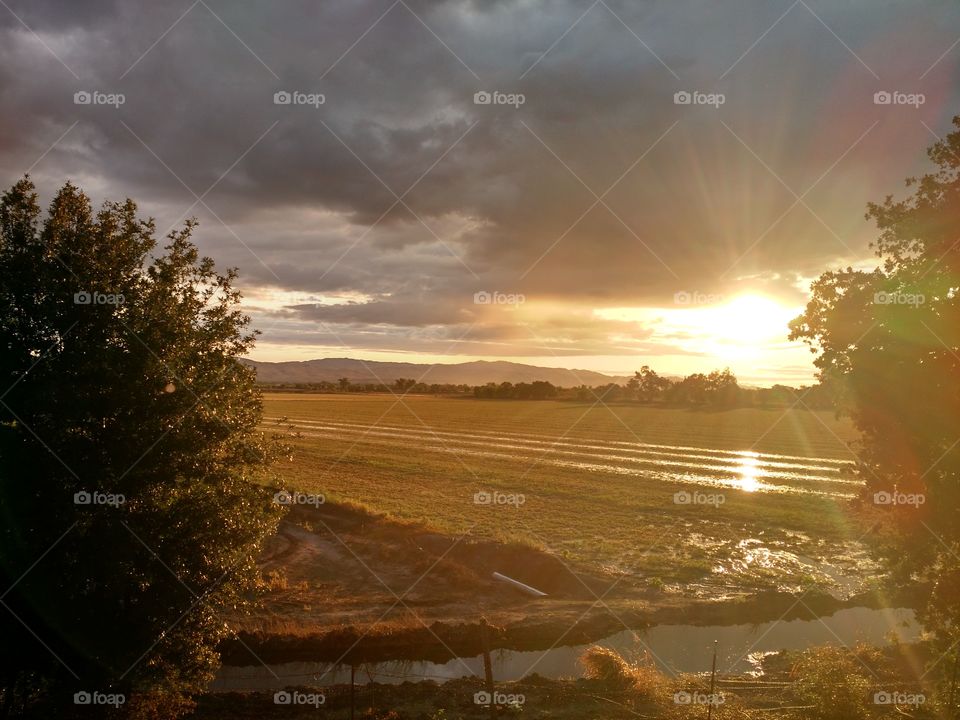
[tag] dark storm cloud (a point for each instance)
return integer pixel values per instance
(55, 15)
(765, 189)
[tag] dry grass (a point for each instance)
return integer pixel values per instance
(642, 679)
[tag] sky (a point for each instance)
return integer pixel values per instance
(591, 184)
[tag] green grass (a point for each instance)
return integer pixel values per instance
(596, 519)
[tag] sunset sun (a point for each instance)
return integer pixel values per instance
(749, 321)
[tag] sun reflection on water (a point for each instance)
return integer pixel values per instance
(749, 471)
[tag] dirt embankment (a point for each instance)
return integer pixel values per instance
(347, 586)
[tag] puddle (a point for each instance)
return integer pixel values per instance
(674, 648)
(848, 570)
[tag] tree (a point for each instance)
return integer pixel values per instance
(722, 389)
(889, 340)
(128, 450)
(650, 386)
(343, 384)
(541, 390)
(692, 390)
(402, 385)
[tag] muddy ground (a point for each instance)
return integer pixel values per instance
(342, 585)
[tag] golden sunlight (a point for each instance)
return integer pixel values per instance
(745, 327)
(749, 470)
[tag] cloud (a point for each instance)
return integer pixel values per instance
(597, 191)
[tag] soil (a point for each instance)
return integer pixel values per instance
(348, 586)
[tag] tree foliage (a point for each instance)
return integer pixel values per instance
(128, 443)
(890, 340)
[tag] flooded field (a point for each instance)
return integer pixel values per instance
(710, 467)
(712, 504)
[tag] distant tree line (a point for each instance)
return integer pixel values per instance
(718, 389)
(399, 386)
(537, 390)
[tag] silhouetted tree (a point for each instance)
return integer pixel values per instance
(722, 389)
(650, 385)
(402, 385)
(692, 390)
(128, 442)
(889, 339)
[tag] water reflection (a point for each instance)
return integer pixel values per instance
(675, 648)
(750, 472)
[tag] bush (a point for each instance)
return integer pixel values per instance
(832, 681)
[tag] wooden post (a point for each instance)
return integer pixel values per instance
(487, 665)
(352, 670)
(713, 682)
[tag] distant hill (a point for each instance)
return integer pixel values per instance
(469, 373)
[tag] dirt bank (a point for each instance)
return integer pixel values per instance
(347, 586)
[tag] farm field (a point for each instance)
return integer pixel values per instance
(711, 504)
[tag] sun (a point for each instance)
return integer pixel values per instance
(751, 318)
(744, 327)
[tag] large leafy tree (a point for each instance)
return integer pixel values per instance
(119, 377)
(889, 339)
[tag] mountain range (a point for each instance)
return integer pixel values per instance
(478, 372)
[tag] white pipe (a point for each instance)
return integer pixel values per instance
(516, 583)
